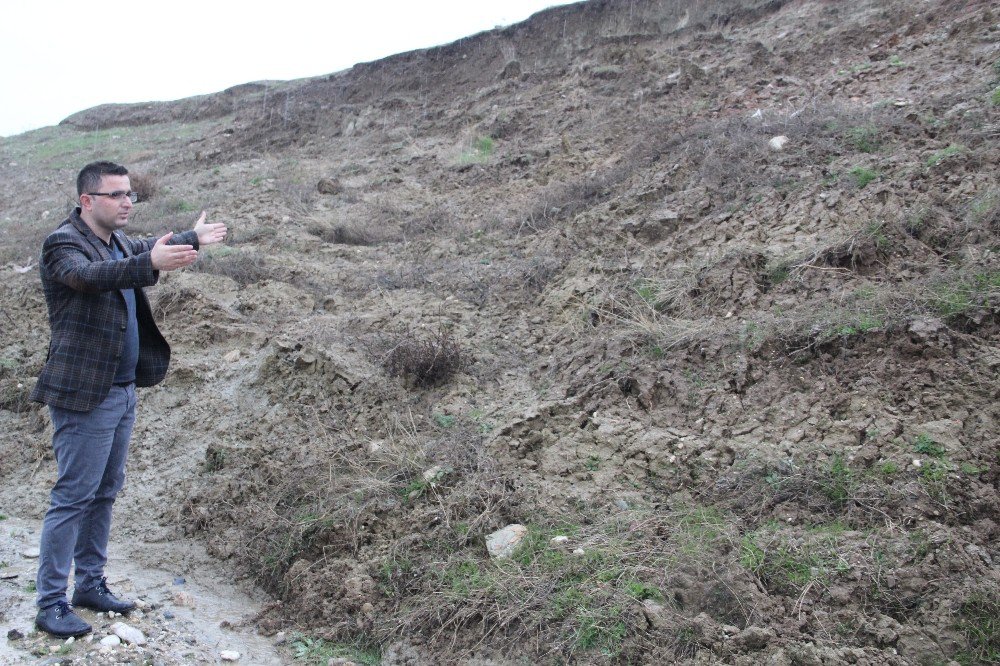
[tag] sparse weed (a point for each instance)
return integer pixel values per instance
(839, 482)
(943, 154)
(888, 468)
(864, 138)
(979, 622)
(961, 295)
(862, 176)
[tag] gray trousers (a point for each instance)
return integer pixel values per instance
(90, 449)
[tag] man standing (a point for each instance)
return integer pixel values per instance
(104, 343)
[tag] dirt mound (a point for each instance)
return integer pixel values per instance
(716, 287)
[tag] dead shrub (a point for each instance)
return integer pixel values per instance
(425, 360)
(144, 185)
(243, 267)
(436, 218)
(342, 234)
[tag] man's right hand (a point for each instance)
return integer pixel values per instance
(171, 257)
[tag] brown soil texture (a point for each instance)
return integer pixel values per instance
(755, 387)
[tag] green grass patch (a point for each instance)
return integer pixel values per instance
(481, 151)
(444, 420)
(941, 155)
(964, 294)
(862, 176)
(311, 650)
(925, 445)
(863, 138)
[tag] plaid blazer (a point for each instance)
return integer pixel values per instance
(87, 314)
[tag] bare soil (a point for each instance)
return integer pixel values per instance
(756, 388)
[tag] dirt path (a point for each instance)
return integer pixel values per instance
(189, 612)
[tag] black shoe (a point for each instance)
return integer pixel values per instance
(60, 621)
(99, 598)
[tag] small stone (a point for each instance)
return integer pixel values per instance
(503, 543)
(128, 634)
(280, 638)
(367, 608)
(435, 474)
(232, 356)
(778, 142)
(229, 655)
(656, 614)
(179, 581)
(579, 551)
(182, 598)
(111, 640)
(562, 538)
(916, 462)
(754, 638)
(31, 553)
(14, 635)
(376, 446)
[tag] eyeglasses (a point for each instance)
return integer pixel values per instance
(117, 195)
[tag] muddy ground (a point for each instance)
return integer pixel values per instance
(709, 289)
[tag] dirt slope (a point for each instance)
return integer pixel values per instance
(711, 289)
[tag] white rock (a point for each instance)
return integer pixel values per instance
(778, 142)
(31, 553)
(433, 474)
(502, 543)
(128, 634)
(376, 446)
(579, 551)
(229, 655)
(111, 640)
(916, 462)
(232, 356)
(70, 640)
(562, 538)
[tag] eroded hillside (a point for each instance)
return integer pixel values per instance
(711, 289)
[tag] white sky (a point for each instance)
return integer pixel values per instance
(58, 57)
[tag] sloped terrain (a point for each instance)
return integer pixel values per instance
(711, 289)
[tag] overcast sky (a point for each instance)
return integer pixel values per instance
(59, 57)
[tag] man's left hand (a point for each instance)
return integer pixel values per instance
(209, 233)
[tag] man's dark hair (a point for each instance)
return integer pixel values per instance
(90, 175)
